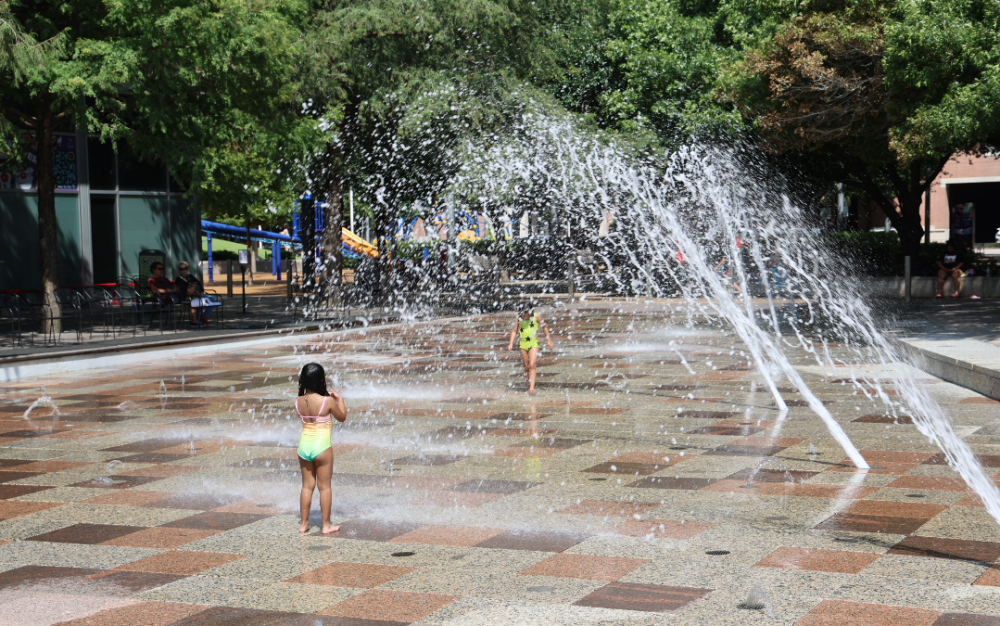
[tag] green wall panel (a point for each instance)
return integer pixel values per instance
(186, 233)
(144, 225)
(21, 266)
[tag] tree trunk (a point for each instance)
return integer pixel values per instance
(912, 232)
(48, 228)
(333, 223)
(384, 264)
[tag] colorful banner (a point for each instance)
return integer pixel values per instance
(63, 165)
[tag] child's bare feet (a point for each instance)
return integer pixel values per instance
(327, 529)
(304, 528)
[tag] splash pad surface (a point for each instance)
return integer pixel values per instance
(653, 480)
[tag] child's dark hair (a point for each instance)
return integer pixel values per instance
(313, 378)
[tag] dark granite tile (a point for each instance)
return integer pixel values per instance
(872, 524)
(966, 619)
(958, 549)
(638, 597)
(136, 582)
(28, 434)
(101, 417)
(37, 573)
(676, 387)
(431, 460)
(14, 491)
(118, 481)
(215, 521)
(375, 530)
(987, 460)
(194, 501)
(793, 403)
(773, 476)
(669, 482)
(335, 620)
(727, 431)
(560, 443)
(153, 457)
(269, 463)
(708, 415)
(148, 445)
(458, 432)
(518, 417)
(225, 616)
(628, 469)
(884, 419)
(746, 450)
(86, 533)
(9, 463)
(597, 410)
(597, 384)
(494, 486)
(11, 476)
(537, 541)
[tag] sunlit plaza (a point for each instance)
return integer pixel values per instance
(652, 480)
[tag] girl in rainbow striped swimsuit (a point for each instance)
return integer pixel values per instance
(315, 455)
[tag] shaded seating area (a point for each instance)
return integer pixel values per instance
(124, 307)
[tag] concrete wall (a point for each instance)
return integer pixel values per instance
(926, 287)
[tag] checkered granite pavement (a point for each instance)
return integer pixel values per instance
(630, 490)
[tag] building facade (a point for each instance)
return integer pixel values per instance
(109, 207)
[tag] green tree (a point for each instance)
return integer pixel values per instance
(365, 58)
(882, 93)
(174, 78)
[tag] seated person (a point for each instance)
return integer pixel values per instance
(161, 287)
(950, 266)
(191, 289)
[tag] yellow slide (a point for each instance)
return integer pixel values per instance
(357, 244)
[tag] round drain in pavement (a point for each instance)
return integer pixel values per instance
(319, 548)
(599, 478)
(916, 495)
(679, 448)
(458, 557)
(716, 552)
(403, 553)
(541, 589)
(264, 506)
(846, 539)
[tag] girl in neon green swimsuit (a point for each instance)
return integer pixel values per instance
(526, 327)
(315, 456)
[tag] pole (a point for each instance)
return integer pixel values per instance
(277, 262)
(211, 268)
(229, 278)
(906, 272)
(352, 209)
(244, 268)
(288, 277)
(570, 281)
(451, 231)
(927, 215)
(841, 208)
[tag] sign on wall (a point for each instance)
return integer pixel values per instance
(63, 164)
